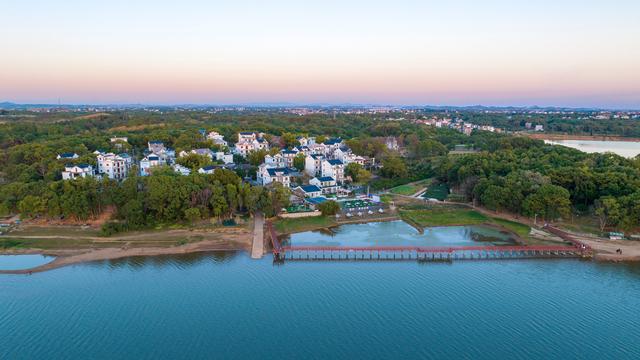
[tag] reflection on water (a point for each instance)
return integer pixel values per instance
(399, 233)
(225, 305)
(20, 262)
(180, 261)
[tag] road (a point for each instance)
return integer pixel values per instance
(257, 248)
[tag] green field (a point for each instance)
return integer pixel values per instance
(450, 217)
(289, 226)
(438, 191)
(410, 189)
(444, 217)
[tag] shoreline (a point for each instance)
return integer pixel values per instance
(72, 257)
(558, 137)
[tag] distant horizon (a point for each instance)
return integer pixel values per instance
(576, 54)
(313, 104)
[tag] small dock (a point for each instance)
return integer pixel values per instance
(427, 253)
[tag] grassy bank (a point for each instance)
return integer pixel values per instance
(289, 226)
(458, 216)
(410, 189)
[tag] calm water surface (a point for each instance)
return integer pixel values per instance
(19, 262)
(225, 305)
(399, 233)
(623, 148)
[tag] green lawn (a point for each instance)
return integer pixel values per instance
(444, 217)
(439, 191)
(289, 226)
(449, 217)
(410, 189)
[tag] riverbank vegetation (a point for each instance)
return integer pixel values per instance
(518, 175)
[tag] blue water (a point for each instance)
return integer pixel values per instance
(225, 305)
(399, 233)
(19, 262)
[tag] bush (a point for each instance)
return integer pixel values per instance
(110, 228)
(329, 208)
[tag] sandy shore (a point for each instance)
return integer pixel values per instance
(69, 257)
(228, 239)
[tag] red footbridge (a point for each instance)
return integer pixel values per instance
(429, 253)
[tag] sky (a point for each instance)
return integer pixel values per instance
(457, 52)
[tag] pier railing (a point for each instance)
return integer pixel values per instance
(427, 253)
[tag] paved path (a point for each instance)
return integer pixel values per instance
(257, 249)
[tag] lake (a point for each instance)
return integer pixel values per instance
(19, 262)
(225, 305)
(399, 233)
(623, 148)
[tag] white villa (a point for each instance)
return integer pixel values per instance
(327, 184)
(217, 139)
(267, 175)
(313, 164)
(72, 172)
(333, 168)
(308, 191)
(182, 170)
(114, 166)
(250, 141)
(150, 161)
(67, 156)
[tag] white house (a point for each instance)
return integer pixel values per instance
(250, 141)
(313, 164)
(539, 128)
(156, 146)
(114, 166)
(392, 143)
(209, 169)
(203, 152)
(333, 168)
(309, 191)
(67, 156)
(267, 175)
(182, 170)
(150, 161)
(72, 172)
(217, 139)
(276, 160)
(327, 184)
(225, 158)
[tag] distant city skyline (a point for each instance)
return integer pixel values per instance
(459, 53)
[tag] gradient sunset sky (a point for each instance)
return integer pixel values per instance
(465, 52)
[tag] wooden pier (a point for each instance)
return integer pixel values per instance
(427, 253)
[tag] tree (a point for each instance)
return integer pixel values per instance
(289, 140)
(256, 157)
(194, 161)
(609, 212)
(494, 197)
(299, 161)
(358, 173)
(31, 206)
(550, 202)
(329, 208)
(192, 215)
(393, 167)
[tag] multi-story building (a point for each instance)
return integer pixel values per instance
(326, 183)
(313, 164)
(150, 161)
(333, 168)
(72, 172)
(267, 175)
(250, 141)
(114, 166)
(156, 146)
(217, 139)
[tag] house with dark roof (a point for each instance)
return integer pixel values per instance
(333, 168)
(67, 156)
(72, 172)
(327, 184)
(267, 175)
(308, 191)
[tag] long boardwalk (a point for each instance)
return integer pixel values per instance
(427, 253)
